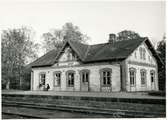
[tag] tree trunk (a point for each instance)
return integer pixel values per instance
(8, 85)
(20, 80)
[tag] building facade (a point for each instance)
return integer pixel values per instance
(110, 67)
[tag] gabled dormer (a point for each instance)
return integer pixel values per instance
(67, 56)
(142, 54)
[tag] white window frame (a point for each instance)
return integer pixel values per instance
(57, 79)
(70, 80)
(143, 75)
(142, 52)
(132, 77)
(106, 77)
(42, 81)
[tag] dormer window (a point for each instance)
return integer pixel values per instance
(70, 55)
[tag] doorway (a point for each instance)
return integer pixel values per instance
(85, 81)
(152, 74)
(42, 79)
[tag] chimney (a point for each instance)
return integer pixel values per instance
(112, 38)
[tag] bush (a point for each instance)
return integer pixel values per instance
(25, 86)
(3, 86)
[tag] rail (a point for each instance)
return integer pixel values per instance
(23, 115)
(113, 112)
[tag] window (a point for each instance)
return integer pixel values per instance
(152, 74)
(106, 77)
(42, 78)
(143, 77)
(135, 55)
(85, 77)
(70, 54)
(70, 78)
(151, 61)
(141, 57)
(57, 78)
(73, 55)
(132, 74)
(142, 53)
(148, 57)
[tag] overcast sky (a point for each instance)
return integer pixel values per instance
(96, 18)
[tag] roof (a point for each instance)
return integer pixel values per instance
(46, 60)
(109, 51)
(119, 50)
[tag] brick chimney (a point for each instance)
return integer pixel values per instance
(112, 38)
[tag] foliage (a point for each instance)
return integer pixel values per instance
(55, 38)
(52, 40)
(17, 48)
(127, 35)
(161, 49)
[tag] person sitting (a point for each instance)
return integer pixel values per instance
(47, 87)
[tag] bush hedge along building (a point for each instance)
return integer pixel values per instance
(129, 65)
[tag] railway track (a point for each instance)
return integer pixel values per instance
(90, 110)
(18, 115)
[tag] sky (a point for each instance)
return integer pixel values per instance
(97, 19)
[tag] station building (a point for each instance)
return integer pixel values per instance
(128, 65)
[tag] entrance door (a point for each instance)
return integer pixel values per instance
(152, 85)
(42, 81)
(152, 80)
(84, 81)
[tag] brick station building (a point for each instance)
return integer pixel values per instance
(129, 65)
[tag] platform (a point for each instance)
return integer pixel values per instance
(132, 95)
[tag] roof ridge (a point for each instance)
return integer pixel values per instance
(141, 38)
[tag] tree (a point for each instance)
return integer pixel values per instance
(56, 37)
(127, 35)
(17, 48)
(161, 50)
(52, 40)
